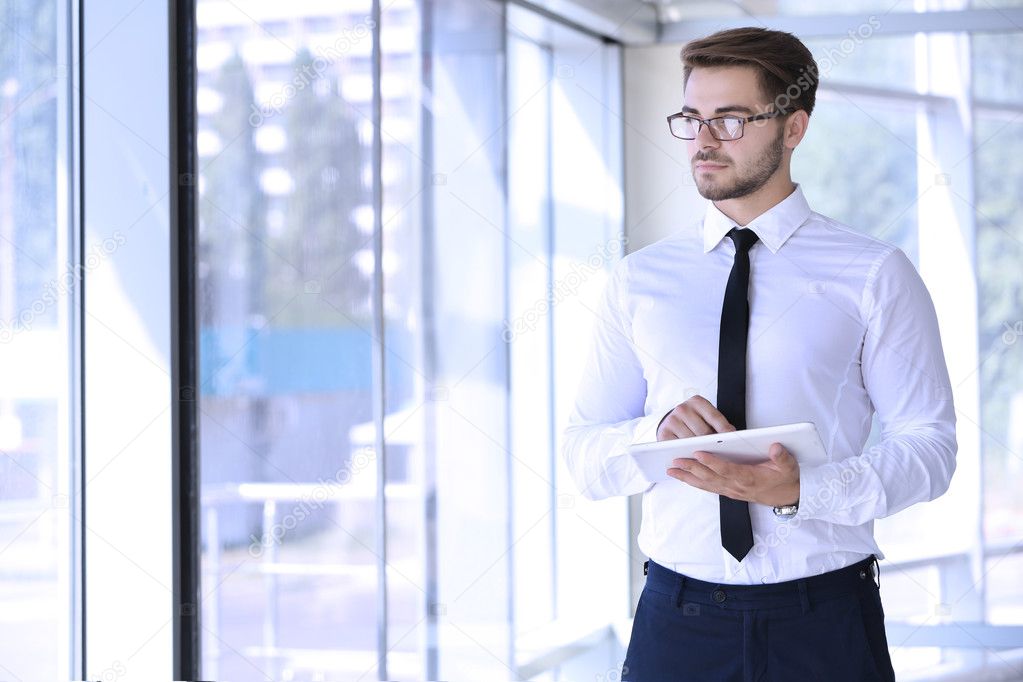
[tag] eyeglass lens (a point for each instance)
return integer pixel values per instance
(725, 128)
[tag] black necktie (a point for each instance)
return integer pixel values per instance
(736, 529)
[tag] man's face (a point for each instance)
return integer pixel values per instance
(729, 169)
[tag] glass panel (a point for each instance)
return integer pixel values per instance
(529, 328)
(809, 7)
(592, 537)
(37, 284)
(865, 58)
(862, 149)
(998, 70)
(999, 175)
(409, 471)
(286, 266)
(1005, 590)
(466, 289)
(908, 597)
(565, 208)
(752, 9)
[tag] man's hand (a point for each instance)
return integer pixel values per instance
(774, 482)
(695, 417)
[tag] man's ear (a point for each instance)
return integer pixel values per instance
(795, 127)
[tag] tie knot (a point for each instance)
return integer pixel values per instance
(743, 237)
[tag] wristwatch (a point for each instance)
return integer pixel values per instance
(786, 511)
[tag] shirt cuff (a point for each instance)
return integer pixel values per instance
(817, 491)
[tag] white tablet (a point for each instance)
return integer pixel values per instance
(748, 446)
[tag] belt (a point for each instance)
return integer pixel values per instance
(799, 591)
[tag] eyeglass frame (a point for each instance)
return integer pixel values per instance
(706, 122)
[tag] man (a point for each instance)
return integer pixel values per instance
(762, 313)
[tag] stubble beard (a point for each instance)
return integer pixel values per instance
(748, 182)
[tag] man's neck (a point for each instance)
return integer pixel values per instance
(745, 210)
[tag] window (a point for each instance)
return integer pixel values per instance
(399, 251)
(565, 230)
(998, 141)
(331, 323)
(289, 498)
(39, 282)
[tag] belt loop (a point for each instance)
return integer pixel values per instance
(804, 599)
(678, 591)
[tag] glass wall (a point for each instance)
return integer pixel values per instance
(286, 125)
(864, 146)
(566, 220)
(350, 301)
(400, 250)
(998, 163)
(38, 286)
(465, 289)
(393, 296)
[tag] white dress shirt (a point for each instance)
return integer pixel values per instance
(841, 325)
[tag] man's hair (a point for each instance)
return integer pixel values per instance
(785, 67)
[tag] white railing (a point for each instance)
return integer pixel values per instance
(272, 497)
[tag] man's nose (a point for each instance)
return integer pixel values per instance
(704, 140)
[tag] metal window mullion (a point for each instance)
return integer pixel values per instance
(509, 572)
(548, 51)
(847, 26)
(183, 179)
(70, 240)
(426, 302)
(378, 398)
(979, 551)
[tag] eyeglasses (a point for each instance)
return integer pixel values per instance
(686, 127)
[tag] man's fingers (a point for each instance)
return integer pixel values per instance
(675, 428)
(710, 484)
(696, 417)
(711, 416)
(700, 471)
(781, 458)
(699, 427)
(717, 421)
(689, 479)
(683, 422)
(721, 467)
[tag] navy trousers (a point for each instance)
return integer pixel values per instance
(828, 627)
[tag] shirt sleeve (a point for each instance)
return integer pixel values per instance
(904, 373)
(608, 413)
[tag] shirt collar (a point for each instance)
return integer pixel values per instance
(773, 227)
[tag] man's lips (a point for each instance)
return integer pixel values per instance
(709, 166)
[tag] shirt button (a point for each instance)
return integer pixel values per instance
(718, 595)
(764, 580)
